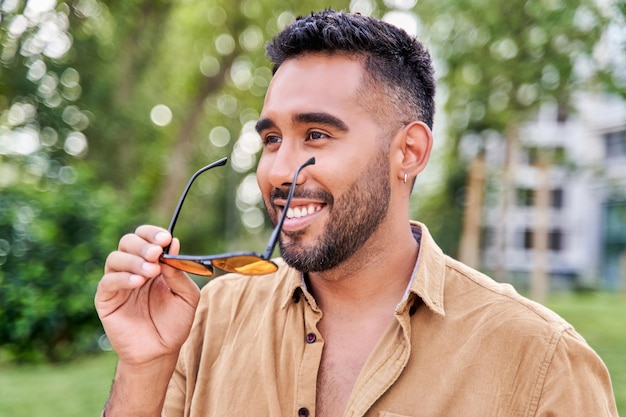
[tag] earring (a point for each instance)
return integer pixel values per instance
(405, 177)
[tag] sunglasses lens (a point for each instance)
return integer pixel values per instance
(245, 264)
(189, 266)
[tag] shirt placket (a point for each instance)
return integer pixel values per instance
(311, 359)
(383, 368)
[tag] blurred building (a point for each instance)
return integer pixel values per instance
(578, 165)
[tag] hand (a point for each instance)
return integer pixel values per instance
(146, 307)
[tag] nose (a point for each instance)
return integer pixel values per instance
(283, 166)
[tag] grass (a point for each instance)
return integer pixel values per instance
(601, 319)
(80, 388)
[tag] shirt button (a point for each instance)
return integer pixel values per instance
(303, 412)
(310, 338)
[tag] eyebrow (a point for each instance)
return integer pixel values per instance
(321, 118)
(264, 123)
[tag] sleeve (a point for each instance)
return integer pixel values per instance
(183, 381)
(175, 397)
(577, 382)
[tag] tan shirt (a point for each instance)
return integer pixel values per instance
(460, 345)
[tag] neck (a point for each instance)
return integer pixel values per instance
(378, 273)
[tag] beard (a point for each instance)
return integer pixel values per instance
(353, 218)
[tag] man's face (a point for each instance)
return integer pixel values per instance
(312, 109)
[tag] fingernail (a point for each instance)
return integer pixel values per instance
(147, 267)
(161, 237)
(135, 279)
(156, 249)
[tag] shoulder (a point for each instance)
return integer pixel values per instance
(468, 291)
(542, 352)
(471, 298)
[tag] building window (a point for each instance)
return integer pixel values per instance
(614, 243)
(528, 239)
(559, 155)
(615, 144)
(555, 239)
(556, 198)
(554, 155)
(532, 155)
(526, 197)
(488, 237)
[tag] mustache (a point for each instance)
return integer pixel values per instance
(319, 195)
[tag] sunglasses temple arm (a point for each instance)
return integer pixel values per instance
(181, 200)
(274, 238)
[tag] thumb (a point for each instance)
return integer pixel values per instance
(178, 281)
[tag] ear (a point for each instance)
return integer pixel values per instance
(414, 146)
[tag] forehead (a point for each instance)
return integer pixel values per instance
(314, 82)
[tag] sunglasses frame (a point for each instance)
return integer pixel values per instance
(205, 263)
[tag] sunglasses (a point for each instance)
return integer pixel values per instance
(247, 263)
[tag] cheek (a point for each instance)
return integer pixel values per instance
(262, 178)
(342, 175)
(262, 171)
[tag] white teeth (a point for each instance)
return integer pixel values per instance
(302, 211)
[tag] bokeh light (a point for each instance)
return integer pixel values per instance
(161, 115)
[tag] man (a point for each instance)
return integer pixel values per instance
(365, 316)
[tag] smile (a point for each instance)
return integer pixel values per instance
(297, 212)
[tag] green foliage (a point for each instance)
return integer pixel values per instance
(77, 388)
(601, 319)
(53, 244)
(41, 122)
(442, 211)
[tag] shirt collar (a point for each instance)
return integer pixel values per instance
(296, 287)
(427, 279)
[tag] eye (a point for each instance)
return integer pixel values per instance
(316, 135)
(271, 140)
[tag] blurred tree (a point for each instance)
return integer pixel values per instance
(41, 125)
(105, 109)
(52, 246)
(497, 63)
(53, 226)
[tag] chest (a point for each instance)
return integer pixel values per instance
(288, 362)
(346, 350)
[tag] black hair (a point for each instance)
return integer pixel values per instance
(395, 62)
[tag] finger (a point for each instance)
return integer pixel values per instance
(112, 283)
(178, 281)
(154, 234)
(173, 275)
(119, 261)
(181, 285)
(175, 246)
(136, 245)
